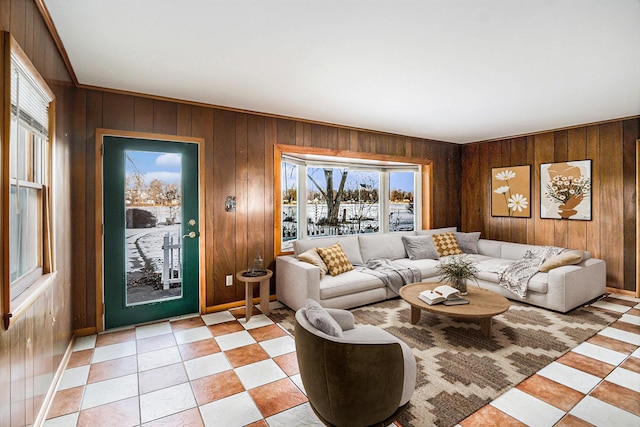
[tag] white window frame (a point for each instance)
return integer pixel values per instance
(352, 165)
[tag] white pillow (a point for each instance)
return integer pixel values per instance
(420, 247)
(468, 242)
(312, 257)
(321, 320)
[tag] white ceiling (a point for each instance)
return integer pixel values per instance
(451, 70)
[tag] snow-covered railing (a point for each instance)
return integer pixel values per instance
(170, 272)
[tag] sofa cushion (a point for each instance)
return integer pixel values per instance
(350, 246)
(516, 250)
(468, 242)
(388, 245)
(436, 231)
(335, 259)
(427, 267)
(312, 257)
(488, 267)
(322, 320)
(567, 257)
(446, 244)
(419, 247)
(351, 282)
(492, 248)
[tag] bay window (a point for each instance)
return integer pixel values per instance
(323, 196)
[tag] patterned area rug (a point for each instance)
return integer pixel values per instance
(459, 370)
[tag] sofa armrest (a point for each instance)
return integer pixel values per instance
(573, 285)
(296, 281)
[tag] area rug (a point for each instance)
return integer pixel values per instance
(459, 370)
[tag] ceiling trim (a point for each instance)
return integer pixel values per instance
(44, 12)
(602, 122)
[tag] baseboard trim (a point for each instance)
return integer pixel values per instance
(83, 332)
(48, 398)
(236, 304)
(621, 292)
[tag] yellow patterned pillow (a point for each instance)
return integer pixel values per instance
(335, 259)
(446, 244)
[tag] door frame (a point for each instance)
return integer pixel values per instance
(99, 214)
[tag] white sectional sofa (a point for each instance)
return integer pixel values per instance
(561, 289)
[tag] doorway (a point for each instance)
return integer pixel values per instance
(151, 220)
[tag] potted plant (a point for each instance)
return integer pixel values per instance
(456, 269)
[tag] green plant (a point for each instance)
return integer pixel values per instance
(456, 269)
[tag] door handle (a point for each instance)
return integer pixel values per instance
(191, 235)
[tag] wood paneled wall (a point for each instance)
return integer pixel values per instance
(610, 235)
(239, 162)
(31, 351)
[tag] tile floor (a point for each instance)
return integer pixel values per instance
(597, 383)
(218, 370)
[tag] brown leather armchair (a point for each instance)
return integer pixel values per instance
(364, 378)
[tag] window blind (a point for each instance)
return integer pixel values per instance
(28, 103)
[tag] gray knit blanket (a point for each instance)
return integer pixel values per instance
(515, 277)
(393, 274)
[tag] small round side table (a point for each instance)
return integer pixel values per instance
(248, 291)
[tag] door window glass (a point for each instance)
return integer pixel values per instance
(153, 226)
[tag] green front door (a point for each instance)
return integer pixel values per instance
(151, 260)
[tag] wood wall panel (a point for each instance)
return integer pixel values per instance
(257, 235)
(143, 115)
(544, 153)
(183, 121)
(631, 132)
(31, 350)
(202, 126)
(224, 225)
(610, 234)
(241, 192)
(119, 111)
(576, 150)
(560, 147)
(593, 153)
(610, 191)
(165, 117)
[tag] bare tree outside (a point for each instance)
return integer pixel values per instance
(332, 197)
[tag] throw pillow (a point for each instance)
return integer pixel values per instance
(468, 242)
(419, 247)
(335, 259)
(311, 256)
(567, 257)
(446, 244)
(322, 320)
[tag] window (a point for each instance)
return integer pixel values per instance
(289, 202)
(28, 119)
(340, 196)
(402, 186)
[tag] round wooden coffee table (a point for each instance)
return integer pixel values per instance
(483, 305)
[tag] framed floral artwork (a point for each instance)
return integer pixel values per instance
(565, 190)
(511, 191)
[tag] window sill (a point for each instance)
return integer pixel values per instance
(20, 305)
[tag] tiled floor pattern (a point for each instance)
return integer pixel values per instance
(218, 370)
(597, 383)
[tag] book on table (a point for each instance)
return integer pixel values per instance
(445, 294)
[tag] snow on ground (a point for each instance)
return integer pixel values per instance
(150, 241)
